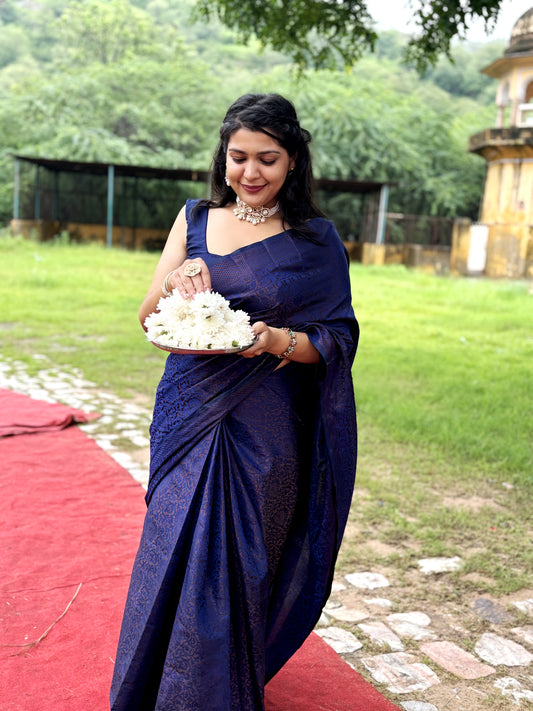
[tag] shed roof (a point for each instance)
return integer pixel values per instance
(203, 176)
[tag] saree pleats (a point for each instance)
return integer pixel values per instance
(208, 555)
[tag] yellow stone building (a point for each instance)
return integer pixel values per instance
(507, 206)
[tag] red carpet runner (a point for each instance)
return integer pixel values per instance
(72, 518)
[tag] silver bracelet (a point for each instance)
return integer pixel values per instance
(164, 285)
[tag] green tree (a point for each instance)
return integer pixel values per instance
(391, 45)
(107, 31)
(14, 44)
(8, 11)
(461, 74)
(322, 33)
(312, 32)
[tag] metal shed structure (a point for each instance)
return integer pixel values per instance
(134, 206)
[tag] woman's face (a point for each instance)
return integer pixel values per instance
(256, 166)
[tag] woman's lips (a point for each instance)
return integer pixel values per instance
(252, 188)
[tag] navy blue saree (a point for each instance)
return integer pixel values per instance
(251, 479)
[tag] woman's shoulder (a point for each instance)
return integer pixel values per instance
(326, 240)
(190, 204)
(321, 223)
(194, 207)
(324, 229)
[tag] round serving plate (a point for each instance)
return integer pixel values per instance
(205, 351)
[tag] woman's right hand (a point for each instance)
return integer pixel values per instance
(190, 278)
(172, 267)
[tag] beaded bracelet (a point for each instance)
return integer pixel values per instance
(292, 344)
(164, 286)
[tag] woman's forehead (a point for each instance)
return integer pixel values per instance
(257, 141)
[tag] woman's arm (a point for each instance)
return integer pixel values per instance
(278, 340)
(171, 264)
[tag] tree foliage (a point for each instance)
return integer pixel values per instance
(414, 138)
(322, 33)
(105, 32)
(312, 32)
(135, 82)
(441, 21)
(462, 75)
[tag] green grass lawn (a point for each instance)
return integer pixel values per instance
(447, 363)
(443, 382)
(78, 305)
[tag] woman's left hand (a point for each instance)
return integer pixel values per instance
(277, 341)
(269, 340)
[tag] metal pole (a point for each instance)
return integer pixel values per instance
(110, 193)
(382, 214)
(37, 209)
(55, 203)
(134, 220)
(121, 207)
(16, 191)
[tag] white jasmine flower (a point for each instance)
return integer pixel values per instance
(204, 322)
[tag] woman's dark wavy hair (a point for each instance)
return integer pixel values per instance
(276, 116)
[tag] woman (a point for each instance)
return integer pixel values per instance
(252, 455)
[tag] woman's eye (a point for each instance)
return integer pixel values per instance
(239, 159)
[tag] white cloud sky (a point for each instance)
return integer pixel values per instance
(396, 14)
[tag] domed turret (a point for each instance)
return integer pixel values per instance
(507, 206)
(522, 35)
(515, 74)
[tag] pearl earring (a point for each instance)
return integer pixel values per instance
(226, 180)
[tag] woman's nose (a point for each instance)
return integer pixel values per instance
(251, 170)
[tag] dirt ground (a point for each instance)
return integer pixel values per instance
(449, 601)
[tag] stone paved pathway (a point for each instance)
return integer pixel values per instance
(122, 429)
(408, 655)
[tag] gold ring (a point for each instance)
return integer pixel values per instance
(192, 269)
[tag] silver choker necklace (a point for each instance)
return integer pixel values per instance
(254, 215)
